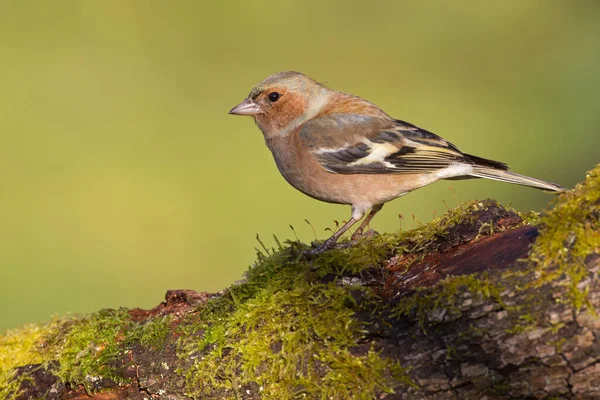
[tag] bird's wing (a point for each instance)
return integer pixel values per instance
(357, 144)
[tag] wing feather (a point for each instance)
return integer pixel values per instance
(356, 144)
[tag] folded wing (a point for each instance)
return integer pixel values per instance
(356, 144)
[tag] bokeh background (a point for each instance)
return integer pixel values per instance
(122, 176)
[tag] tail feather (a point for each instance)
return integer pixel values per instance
(511, 177)
(484, 162)
(484, 168)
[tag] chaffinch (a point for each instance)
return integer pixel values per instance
(340, 148)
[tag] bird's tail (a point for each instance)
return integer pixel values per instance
(498, 171)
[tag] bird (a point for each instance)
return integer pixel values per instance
(340, 148)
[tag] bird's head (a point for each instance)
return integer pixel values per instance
(282, 102)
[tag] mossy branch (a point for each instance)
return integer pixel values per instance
(482, 302)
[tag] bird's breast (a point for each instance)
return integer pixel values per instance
(301, 169)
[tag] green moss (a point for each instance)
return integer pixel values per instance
(315, 323)
(82, 349)
(529, 217)
(282, 299)
(556, 327)
(426, 238)
(291, 328)
(282, 328)
(524, 322)
(293, 336)
(87, 347)
(20, 347)
(569, 233)
(152, 333)
(558, 344)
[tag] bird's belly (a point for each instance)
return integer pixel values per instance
(303, 172)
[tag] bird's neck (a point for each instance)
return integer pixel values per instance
(344, 103)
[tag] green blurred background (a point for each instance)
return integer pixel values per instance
(122, 176)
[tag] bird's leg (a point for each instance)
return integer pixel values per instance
(359, 232)
(328, 244)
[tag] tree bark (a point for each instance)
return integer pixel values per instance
(472, 306)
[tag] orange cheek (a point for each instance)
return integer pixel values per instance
(286, 112)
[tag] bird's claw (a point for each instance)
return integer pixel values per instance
(331, 243)
(318, 248)
(356, 236)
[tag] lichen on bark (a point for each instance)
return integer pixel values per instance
(483, 301)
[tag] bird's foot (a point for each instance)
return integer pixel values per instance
(331, 243)
(321, 247)
(318, 248)
(359, 234)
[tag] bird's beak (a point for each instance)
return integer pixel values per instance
(246, 107)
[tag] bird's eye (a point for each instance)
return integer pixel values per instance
(273, 97)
